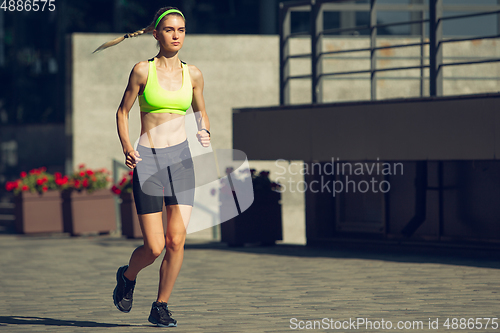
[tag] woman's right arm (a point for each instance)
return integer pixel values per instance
(133, 87)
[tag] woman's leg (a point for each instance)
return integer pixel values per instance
(177, 222)
(149, 211)
(144, 255)
(154, 243)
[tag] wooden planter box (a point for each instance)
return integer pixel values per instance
(37, 213)
(261, 222)
(85, 213)
(130, 221)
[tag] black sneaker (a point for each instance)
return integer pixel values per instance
(122, 295)
(160, 315)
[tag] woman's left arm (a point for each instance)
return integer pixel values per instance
(198, 104)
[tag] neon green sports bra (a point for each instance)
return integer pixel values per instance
(155, 99)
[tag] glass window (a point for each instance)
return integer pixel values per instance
(472, 26)
(300, 22)
(331, 20)
(394, 17)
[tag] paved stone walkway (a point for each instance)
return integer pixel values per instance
(62, 284)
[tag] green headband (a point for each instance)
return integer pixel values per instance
(166, 13)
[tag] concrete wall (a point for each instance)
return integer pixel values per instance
(439, 128)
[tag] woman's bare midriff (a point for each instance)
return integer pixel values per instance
(165, 129)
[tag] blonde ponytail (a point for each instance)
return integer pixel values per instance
(146, 30)
(115, 41)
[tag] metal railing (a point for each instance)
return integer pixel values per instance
(435, 9)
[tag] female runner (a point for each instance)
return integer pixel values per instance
(163, 169)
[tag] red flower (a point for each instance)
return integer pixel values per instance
(43, 169)
(35, 172)
(131, 173)
(81, 166)
(9, 186)
(45, 188)
(116, 190)
(25, 188)
(85, 183)
(61, 181)
(57, 175)
(77, 183)
(90, 172)
(123, 181)
(82, 173)
(23, 174)
(39, 181)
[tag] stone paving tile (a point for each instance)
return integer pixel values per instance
(63, 284)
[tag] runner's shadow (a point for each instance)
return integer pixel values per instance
(20, 320)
